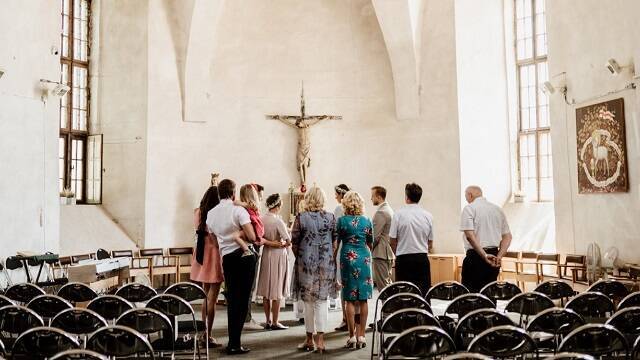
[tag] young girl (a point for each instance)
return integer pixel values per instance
(249, 200)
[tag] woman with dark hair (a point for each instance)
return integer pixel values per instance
(206, 264)
(274, 279)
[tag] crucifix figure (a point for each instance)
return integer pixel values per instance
(302, 124)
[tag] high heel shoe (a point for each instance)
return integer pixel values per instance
(351, 343)
(362, 342)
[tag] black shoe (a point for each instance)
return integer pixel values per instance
(342, 327)
(238, 351)
(371, 326)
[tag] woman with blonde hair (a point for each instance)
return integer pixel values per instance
(355, 234)
(314, 242)
(249, 200)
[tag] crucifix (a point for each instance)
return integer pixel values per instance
(302, 123)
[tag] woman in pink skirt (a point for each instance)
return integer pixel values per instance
(274, 279)
(206, 265)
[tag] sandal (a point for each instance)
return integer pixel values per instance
(362, 342)
(306, 347)
(351, 343)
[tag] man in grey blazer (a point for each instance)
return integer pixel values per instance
(382, 253)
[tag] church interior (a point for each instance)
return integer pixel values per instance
(133, 109)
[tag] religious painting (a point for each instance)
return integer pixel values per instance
(602, 148)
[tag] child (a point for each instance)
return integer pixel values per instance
(249, 200)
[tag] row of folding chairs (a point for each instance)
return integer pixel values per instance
(137, 306)
(468, 314)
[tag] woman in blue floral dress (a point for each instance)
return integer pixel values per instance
(355, 232)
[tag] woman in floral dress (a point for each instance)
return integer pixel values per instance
(355, 233)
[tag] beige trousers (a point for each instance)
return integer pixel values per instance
(382, 272)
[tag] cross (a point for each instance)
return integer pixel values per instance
(302, 124)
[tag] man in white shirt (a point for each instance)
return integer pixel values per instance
(224, 221)
(486, 237)
(411, 236)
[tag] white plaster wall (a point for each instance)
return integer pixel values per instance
(29, 205)
(582, 36)
(263, 51)
(482, 98)
(84, 229)
(120, 114)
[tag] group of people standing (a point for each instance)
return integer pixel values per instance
(343, 252)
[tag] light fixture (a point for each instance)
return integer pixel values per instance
(615, 68)
(54, 88)
(550, 89)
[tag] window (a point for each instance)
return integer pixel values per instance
(74, 106)
(534, 141)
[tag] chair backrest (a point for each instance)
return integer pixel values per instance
(446, 290)
(614, 289)
(42, 343)
(181, 251)
(549, 258)
(78, 321)
(119, 341)
(170, 305)
(109, 307)
(529, 303)
(397, 288)
(15, 270)
(77, 258)
(630, 300)
(187, 291)
(404, 301)
(500, 290)
(145, 321)
(475, 323)
(556, 321)
(404, 319)
(76, 292)
(64, 261)
(591, 305)
(570, 356)
(555, 289)
(421, 342)
(48, 306)
(528, 255)
(466, 355)
(16, 319)
(23, 293)
(627, 321)
(4, 301)
(595, 339)
(503, 341)
(79, 354)
(136, 292)
(151, 252)
(464, 304)
(121, 253)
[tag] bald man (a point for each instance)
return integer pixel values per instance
(486, 238)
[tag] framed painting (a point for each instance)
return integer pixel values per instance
(602, 148)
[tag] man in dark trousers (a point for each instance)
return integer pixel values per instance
(486, 237)
(224, 221)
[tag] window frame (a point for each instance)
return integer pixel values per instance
(69, 133)
(538, 130)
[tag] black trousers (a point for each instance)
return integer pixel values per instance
(414, 268)
(239, 273)
(476, 273)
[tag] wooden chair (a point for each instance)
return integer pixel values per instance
(548, 267)
(138, 267)
(161, 264)
(527, 269)
(575, 269)
(509, 268)
(184, 255)
(77, 258)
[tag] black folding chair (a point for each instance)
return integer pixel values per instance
(79, 354)
(119, 341)
(556, 289)
(174, 306)
(192, 293)
(446, 290)
(48, 306)
(400, 321)
(528, 304)
(500, 290)
(151, 322)
(627, 321)
(76, 292)
(614, 289)
(630, 300)
(504, 342)
(110, 307)
(475, 323)
(594, 307)
(23, 293)
(596, 340)
(461, 306)
(79, 322)
(420, 342)
(136, 292)
(556, 322)
(14, 320)
(42, 343)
